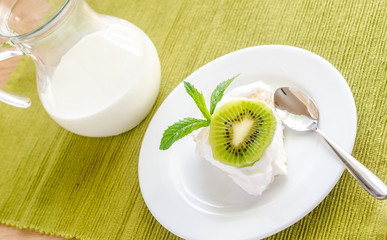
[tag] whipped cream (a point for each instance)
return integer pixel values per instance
(256, 178)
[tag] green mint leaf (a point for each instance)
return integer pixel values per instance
(198, 98)
(180, 129)
(217, 94)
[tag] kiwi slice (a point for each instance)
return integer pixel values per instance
(240, 131)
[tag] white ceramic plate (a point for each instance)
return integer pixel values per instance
(195, 200)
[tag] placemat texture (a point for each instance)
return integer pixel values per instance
(57, 182)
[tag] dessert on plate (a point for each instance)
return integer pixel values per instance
(240, 134)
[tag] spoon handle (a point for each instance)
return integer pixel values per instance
(365, 177)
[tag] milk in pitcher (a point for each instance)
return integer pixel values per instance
(106, 83)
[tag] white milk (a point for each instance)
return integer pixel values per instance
(106, 84)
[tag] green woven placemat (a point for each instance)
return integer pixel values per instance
(57, 182)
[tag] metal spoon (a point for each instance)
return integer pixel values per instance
(299, 112)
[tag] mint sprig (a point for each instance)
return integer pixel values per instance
(198, 98)
(186, 126)
(180, 129)
(217, 94)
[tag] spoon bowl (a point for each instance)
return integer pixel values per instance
(298, 112)
(295, 109)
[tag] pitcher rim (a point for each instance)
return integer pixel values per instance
(50, 22)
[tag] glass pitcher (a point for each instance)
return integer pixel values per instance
(96, 75)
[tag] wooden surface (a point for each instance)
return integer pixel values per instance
(13, 233)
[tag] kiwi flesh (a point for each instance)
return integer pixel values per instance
(240, 132)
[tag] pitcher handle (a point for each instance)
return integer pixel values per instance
(9, 98)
